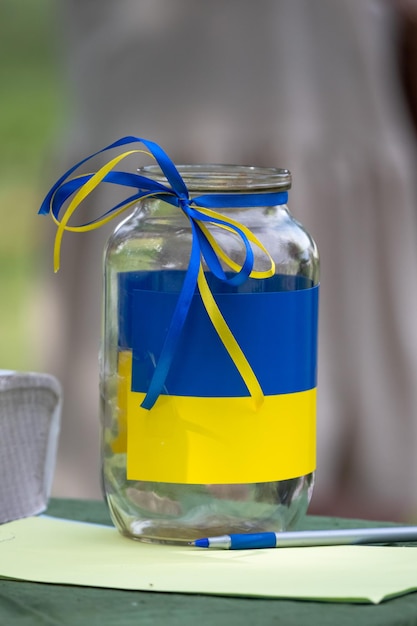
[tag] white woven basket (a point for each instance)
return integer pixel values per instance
(30, 412)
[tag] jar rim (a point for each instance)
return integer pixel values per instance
(225, 178)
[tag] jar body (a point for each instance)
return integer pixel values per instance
(150, 252)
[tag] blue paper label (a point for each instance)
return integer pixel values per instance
(276, 327)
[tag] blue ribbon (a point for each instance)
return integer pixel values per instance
(176, 194)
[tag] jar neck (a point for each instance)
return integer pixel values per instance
(214, 178)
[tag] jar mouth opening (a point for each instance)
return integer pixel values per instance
(221, 177)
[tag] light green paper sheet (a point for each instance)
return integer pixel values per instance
(45, 549)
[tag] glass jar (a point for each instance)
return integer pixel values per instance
(199, 463)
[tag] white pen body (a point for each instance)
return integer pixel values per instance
(306, 538)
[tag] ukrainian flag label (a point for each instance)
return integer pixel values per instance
(205, 427)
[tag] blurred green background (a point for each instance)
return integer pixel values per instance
(31, 107)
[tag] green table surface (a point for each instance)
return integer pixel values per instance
(33, 604)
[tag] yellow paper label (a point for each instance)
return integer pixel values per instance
(216, 440)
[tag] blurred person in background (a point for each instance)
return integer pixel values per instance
(312, 85)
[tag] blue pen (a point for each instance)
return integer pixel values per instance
(304, 538)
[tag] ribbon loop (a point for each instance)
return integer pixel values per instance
(204, 220)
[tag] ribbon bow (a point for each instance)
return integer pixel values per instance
(200, 213)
